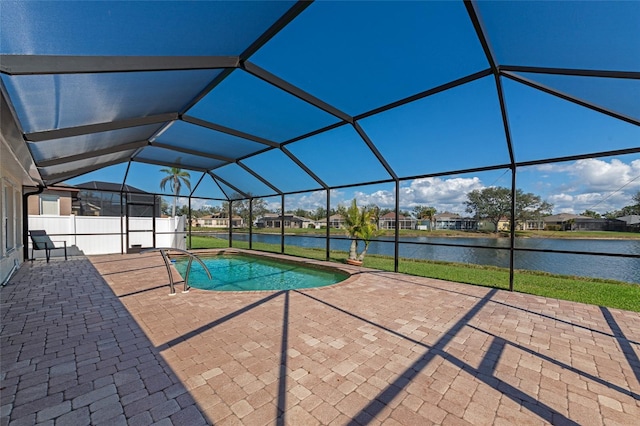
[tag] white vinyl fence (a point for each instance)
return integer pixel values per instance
(169, 232)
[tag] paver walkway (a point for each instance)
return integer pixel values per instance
(99, 340)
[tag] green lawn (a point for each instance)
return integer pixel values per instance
(594, 291)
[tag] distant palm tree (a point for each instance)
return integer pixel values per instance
(175, 178)
(358, 224)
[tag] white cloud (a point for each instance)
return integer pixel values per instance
(443, 194)
(196, 203)
(600, 175)
(381, 198)
(424, 190)
(592, 184)
(310, 201)
(576, 204)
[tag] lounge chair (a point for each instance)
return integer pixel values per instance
(41, 241)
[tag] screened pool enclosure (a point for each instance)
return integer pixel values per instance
(303, 106)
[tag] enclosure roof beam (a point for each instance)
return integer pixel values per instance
(218, 184)
(314, 132)
(450, 85)
(481, 33)
(635, 75)
(353, 185)
(304, 167)
(66, 64)
(274, 29)
(282, 22)
(229, 131)
(68, 132)
(197, 184)
(616, 152)
(168, 163)
(570, 98)
(59, 177)
(192, 152)
(89, 154)
(375, 150)
(126, 172)
(459, 172)
(505, 120)
(216, 177)
(295, 91)
(260, 178)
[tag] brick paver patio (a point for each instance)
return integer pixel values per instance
(99, 341)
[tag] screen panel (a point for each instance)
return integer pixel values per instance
(545, 126)
(276, 167)
(615, 94)
(339, 157)
(135, 28)
(64, 147)
(45, 102)
(243, 180)
(590, 35)
(167, 156)
(458, 129)
(375, 52)
(246, 103)
(198, 138)
(96, 162)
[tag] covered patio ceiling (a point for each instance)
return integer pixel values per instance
(272, 98)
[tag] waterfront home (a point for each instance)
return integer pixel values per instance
(275, 220)
(447, 220)
(388, 221)
(218, 220)
(632, 222)
(575, 222)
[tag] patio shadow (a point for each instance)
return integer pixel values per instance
(71, 352)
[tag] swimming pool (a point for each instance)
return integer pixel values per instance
(240, 272)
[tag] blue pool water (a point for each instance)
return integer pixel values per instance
(248, 273)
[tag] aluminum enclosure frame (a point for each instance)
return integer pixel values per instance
(23, 65)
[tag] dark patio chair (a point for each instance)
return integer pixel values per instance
(41, 241)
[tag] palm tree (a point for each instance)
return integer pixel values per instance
(175, 178)
(358, 225)
(423, 212)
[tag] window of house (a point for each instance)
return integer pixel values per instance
(50, 204)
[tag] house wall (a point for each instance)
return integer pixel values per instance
(64, 199)
(11, 179)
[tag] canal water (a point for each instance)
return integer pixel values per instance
(616, 268)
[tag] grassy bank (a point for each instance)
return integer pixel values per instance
(594, 291)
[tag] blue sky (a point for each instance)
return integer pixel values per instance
(357, 59)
